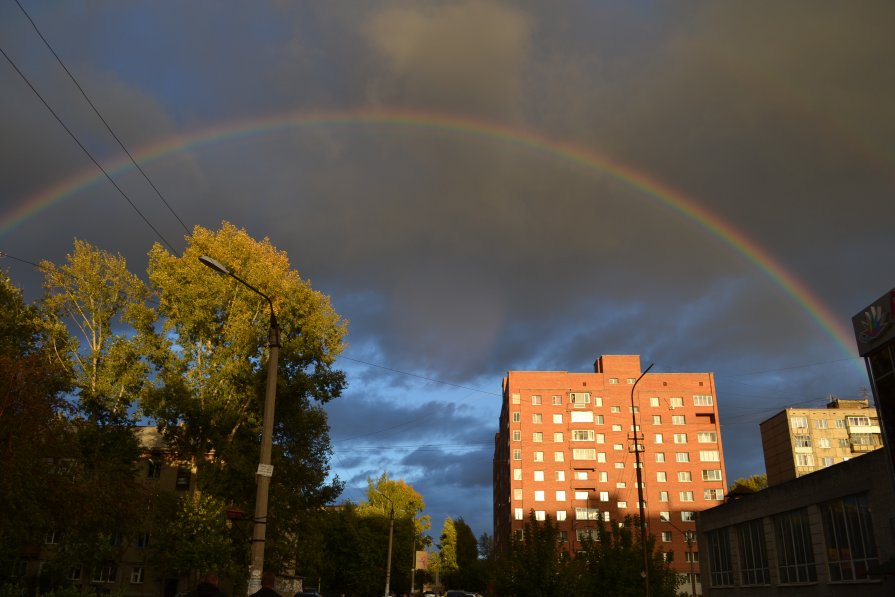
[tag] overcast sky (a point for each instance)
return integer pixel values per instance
(487, 186)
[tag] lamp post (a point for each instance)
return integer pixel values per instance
(265, 470)
(391, 533)
(638, 445)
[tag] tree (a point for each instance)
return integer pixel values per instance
(33, 423)
(535, 562)
(470, 573)
(754, 483)
(447, 556)
(211, 355)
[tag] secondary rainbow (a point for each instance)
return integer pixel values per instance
(461, 126)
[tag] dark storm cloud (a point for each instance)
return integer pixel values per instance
(457, 256)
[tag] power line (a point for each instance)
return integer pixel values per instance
(96, 111)
(85, 150)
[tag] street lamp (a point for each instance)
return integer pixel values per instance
(391, 533)
(638, 446)
(265, 469)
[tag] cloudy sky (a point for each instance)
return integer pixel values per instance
(486, 186)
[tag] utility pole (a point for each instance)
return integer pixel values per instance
(638, 446)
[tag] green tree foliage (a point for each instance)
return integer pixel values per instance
(385, 493)
(447, 555)
(211, 356)
(470, 572)
(754, 483)
(33, 422)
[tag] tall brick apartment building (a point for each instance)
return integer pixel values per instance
(566, 449)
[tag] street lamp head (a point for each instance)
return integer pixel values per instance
(214, 264)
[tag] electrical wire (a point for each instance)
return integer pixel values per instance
(85, 150)
(100, 116)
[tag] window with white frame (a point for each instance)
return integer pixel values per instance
(584, 454)
(599, 419)
(618, 447)
(559, 475)
(601, 438)
(539, 457)
(581, 495)
(688, 516)
(604, 477)
(678, 420)
(516, 399)
(537, 437)
(707, 437)
(657, 419)
(616, 427)
(703, 400)
(661, 476)
(686, 496)
(680, 438)
(536, 400)
(559, 456)
(538, 475)
(827, 461)
(798, 422)
(619, 465)
(711, 474)
(74, 573)
(557, 437)
(517, 417)
(663, 496)
(560, 515)
(557, 399)
(802, 441)
(714, 495)
(517, 493)
(598, 401)
(581, 475)
(823, 442)
(666, 536)
(540, 515)
(582, 435)
(804, 459)
(654, 401)
(657, 439)
(682, 457)
(560, 495)
(620, 485)
(613, 381)
(820, 423)
(105, 573)
(631, 381)
(517, 435)
(517, 474)
(557, 418)
(517, 513)
(537, 418)
(615, 409)
(664, 515)
(539, 495)
(517, 454)
(676, 402)
(709, 456)
(857, 421)
(582, 416)
(604, 496)
(138, 574)
(684, 476)
(622, 504)
(660, 456)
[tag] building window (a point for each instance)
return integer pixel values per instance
(795, 553)
(680, 438)
(53, 537)
(581, 475)
(713, 494)
(618, 447)
(557, 399)
(604, 477)
(559, 475)
(753, 553)
(557, 438)
(582, 416)
(631, 381)
(517, 513)
(711, 475)
(557, 418)
(801, 441)
(601, 438)
(105, 573)
(537, 418)
(538, 475)
(827, 461)
(540, 515)
(660, 456)
(615, 409)
(676, 402)
(584, 454)
(517, 417)
(599, 420)
(537, 437)
(582, 435)
(516, 399)
(703, 401)
(620, 485)
(622, 504)
(657, 439)
(663, 496)
(688, 516)
(684, 476)
(657, 419)
(654, 401)
(560, 515)
(517, 474)
(616, 427)
(137, 574)
(539, 457)
(517, 436)
(709, 456)
(517, 454)
(707, 437)
(601, 456)
(539, 496)
(560, 495)
(798, 422)
(682, 457)
(517, 494)
(183, 478)
(613, 381)
(154, 468)
(686, 496)
(604, 496)
(840, 423)
(804, 459)
(143, 541)
(678, 420)
(586, 513)
(820, 424)
(855, 421)
(823, 442)
(619, 465)
(536, 400)
(720, 565)
(559, 456)
(661, 476)
(74, 573)
(848, 530)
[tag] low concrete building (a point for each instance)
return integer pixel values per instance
(831, 532)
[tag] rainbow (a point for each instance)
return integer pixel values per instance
(832, 324)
